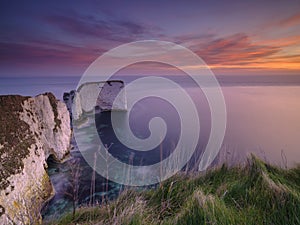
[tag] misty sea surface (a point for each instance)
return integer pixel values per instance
(263, 117)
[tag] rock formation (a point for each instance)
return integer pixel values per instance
(31, 129)
(105, 93)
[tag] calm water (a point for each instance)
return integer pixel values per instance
(36, 85)
(262, 117)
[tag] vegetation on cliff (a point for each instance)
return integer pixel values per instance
(53, 103)
(256, 193)
(15, 138)
(31, 129)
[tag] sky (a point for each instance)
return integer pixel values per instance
(62, 38)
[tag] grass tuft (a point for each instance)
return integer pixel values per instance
(257, 193)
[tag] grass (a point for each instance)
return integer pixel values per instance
(256, 193)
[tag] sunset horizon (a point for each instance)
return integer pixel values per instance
(57, 39)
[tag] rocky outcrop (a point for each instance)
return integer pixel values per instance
(72, 101)
(105, 93)
(31, 129)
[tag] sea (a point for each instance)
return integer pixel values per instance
(263, 117)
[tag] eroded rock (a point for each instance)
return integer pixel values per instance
(96, 96)
(32, 128)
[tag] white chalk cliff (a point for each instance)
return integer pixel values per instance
(98, 96)
(31, 129)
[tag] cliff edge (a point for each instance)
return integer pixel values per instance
(31, 129)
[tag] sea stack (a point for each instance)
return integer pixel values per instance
(96, 97)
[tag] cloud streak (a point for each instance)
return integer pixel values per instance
(88, 26)
(290, 21)
(241, 51)
(77, 40)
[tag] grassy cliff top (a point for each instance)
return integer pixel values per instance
(15, 134)
(15, 137)
(256, 193)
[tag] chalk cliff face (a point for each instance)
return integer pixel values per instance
(31, 129)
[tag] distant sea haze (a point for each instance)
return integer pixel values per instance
(58, 85)
(262, 111)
